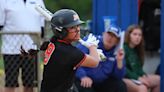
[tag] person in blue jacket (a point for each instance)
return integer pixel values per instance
(107, 77)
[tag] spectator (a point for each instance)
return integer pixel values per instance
(107, 77)
(19, 16)
(136, 79)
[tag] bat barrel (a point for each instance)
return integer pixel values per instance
(44, 12)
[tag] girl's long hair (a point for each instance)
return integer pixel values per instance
(139, 48)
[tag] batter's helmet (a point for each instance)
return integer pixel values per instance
(63, 19)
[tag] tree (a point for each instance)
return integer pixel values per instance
(82, 7)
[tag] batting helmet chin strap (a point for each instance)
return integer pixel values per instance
(76, 33)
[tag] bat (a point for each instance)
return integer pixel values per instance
(44, 12)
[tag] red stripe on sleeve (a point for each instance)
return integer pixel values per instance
(80, 63)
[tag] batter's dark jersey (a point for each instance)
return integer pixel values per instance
(59, 68)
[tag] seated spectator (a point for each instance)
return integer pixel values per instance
(136, 79)
(107, 77)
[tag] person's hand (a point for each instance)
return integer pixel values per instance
(90, 41)
(119, 58)
(144, 81)
(101, 55)
(23, 52)
(86, 82)
(120, 55)
(30, 53)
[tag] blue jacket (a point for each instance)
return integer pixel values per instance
(105, 69)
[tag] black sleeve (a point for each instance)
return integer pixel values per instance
(78, 58)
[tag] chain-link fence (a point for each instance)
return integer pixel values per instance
(13, 64)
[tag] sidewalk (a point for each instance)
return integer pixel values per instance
(152, 60)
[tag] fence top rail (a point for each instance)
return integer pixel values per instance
(19, 32)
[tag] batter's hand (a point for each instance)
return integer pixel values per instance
(90, 41)
(101, 55)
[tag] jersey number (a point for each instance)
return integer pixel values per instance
(48, 52)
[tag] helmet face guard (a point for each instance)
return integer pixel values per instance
(63, 19)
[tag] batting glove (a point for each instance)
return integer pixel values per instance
(101, 55)
(90, 41)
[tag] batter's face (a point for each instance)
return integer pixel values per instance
(73, 33)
